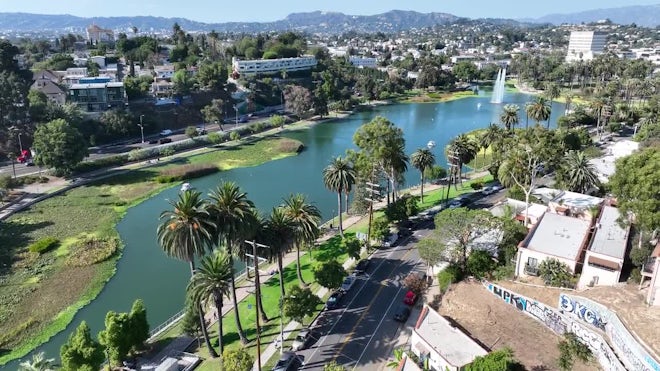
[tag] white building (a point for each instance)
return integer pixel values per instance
(553, 237)
(269, 66)
(606, 253)
(363, 62)
(585, 45)
(440, 345)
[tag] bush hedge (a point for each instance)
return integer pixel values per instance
(185, 172)
(92, 250)
(44, 245)
(449, 275)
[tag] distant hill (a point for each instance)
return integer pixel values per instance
(327, 22)
(641, 15)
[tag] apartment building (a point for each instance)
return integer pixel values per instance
(98, 97)
(585, 45)
(271, 66)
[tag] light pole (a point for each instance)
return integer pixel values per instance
(236, 110)
(257, 296)
(20, 144)
(141, 128)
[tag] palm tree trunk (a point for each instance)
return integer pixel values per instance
(264, 317)
(218, 306)
(280, 270)
(346, 202)
(202, 320)
(239, 327)
(547, 125)
(298, 270)
(341, 229)
(422, 190)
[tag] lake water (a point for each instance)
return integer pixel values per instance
(146, 272)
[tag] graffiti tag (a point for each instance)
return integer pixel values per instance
(581, 311)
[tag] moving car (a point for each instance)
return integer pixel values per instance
(300, 342)
(488, 191)
(391, 240)
(286, 362)
(166, 132)
(348, 283)
(362, 266)
(333, 300)
(410, 298)
(165, 140)
(402, 314)
(458, 202)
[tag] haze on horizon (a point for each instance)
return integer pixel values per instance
(263, 11)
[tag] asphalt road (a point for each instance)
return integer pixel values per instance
(361, 332)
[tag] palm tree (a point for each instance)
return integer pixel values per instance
(39, 362)
(398, 356)
(279, 229)
(232, 211)
(305, 218)
(210, 283)
(395, 164)
(463, 149)
(580, 175)
(539, 110)
(339, 177)
(422, 159)
(186, 233)
(509, 116)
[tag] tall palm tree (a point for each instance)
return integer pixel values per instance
(305, 218)
(463, 149)
(232, 211)
(422, 159)
(580, 175)
(39, 362)
(210, 283)
(279, 229)
(540, 110)
(339, 177)
(509, 116)
(395, 164)
(185, 233)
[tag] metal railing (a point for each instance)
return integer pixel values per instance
(649, 266)
(531, 270)
(166, 325)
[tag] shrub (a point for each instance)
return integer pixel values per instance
(480, 263)
(449, 275)
(7, 182)
(635, 276)
(87, 166)
(504, 272)
(44, 245)
(191, 132)
(167, 151)
(217, 138)
(184, 172)
(290, 146)
(555, 273)
(235, 135)
(477, 185)
(92, 250)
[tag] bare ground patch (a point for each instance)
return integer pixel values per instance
(498, 325)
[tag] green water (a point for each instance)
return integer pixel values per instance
(145, 272)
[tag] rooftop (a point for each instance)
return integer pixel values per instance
(449, 342)
(605, 165)
(610, 239)
(97, 85)
(558, 235)
(577, 200)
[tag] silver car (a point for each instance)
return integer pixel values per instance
(300, 342)
(348, 283)
(286, 362)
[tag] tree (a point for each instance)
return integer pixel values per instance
(430, 252)
(333, 366)
(329, 274)
(415, 283)
(139, 325)
(552, 92)
(114, 337)
(298, 100)
(465, 71)
(210, 284)
(521, 168)
(555, 273)
(213, 112)
(231, 211)
(352, 246)
(539, 110)
(398, 353)
(183, 82)
(300, 303)
(480, 263)
(498, 360)
(191, 132)
(81, 352)
(59, 145)
(509, 116)
(279, 230)
(461, 150)
(578, 174)
(636, 188)
(435, 172)
(117, 123)
(422, 159)
(456, 229)
(571, 348)
(305, 218)
(212, 76)
(39, 362)
(277, 121)
(339, 177)
(186, 233)
(237, 360)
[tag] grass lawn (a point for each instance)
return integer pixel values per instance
(40, 294)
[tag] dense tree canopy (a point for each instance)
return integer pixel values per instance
(59, 145)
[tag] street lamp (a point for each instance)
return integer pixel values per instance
(20, 144)
(236, 110)
(141, 128)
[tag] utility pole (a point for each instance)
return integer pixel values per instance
(374, 196)
(452, 158)
(141, 127)
(257, 294)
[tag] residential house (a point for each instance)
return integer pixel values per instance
(604, 258)
(577, 205)
(45, 82)
(98, 97)
(363, 62)
(652, 270)
(440, 345)
(518, 210)
(554, 237)
(74, 74)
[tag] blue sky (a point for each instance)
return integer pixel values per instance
(270, 10)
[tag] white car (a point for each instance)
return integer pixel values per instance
(488, 191)
(166, 132)
(348, 283)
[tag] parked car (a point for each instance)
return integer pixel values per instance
(333, 300)
(166, 132)
(286, 362)
(153, 141)
(488, 191)
(362, 266)
(348, 283)
(165, 140)
(391, 240)
(402, 314)
(300, 342)
(458, 202)
(410, 298)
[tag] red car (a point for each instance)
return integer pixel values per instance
(410, 298)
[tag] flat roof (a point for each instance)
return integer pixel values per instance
(558, 235)
(577, 200)
(97, 85)
(610, 239)
(449, 342)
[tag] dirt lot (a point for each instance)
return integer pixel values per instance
(498, 325)
(625, 300)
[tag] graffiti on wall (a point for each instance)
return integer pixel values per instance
(568, 305)
(510, 298)
(547, 316)
(598, 346)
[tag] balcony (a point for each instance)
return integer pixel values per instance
(531, 270)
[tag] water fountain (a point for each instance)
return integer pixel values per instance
(498, 88)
